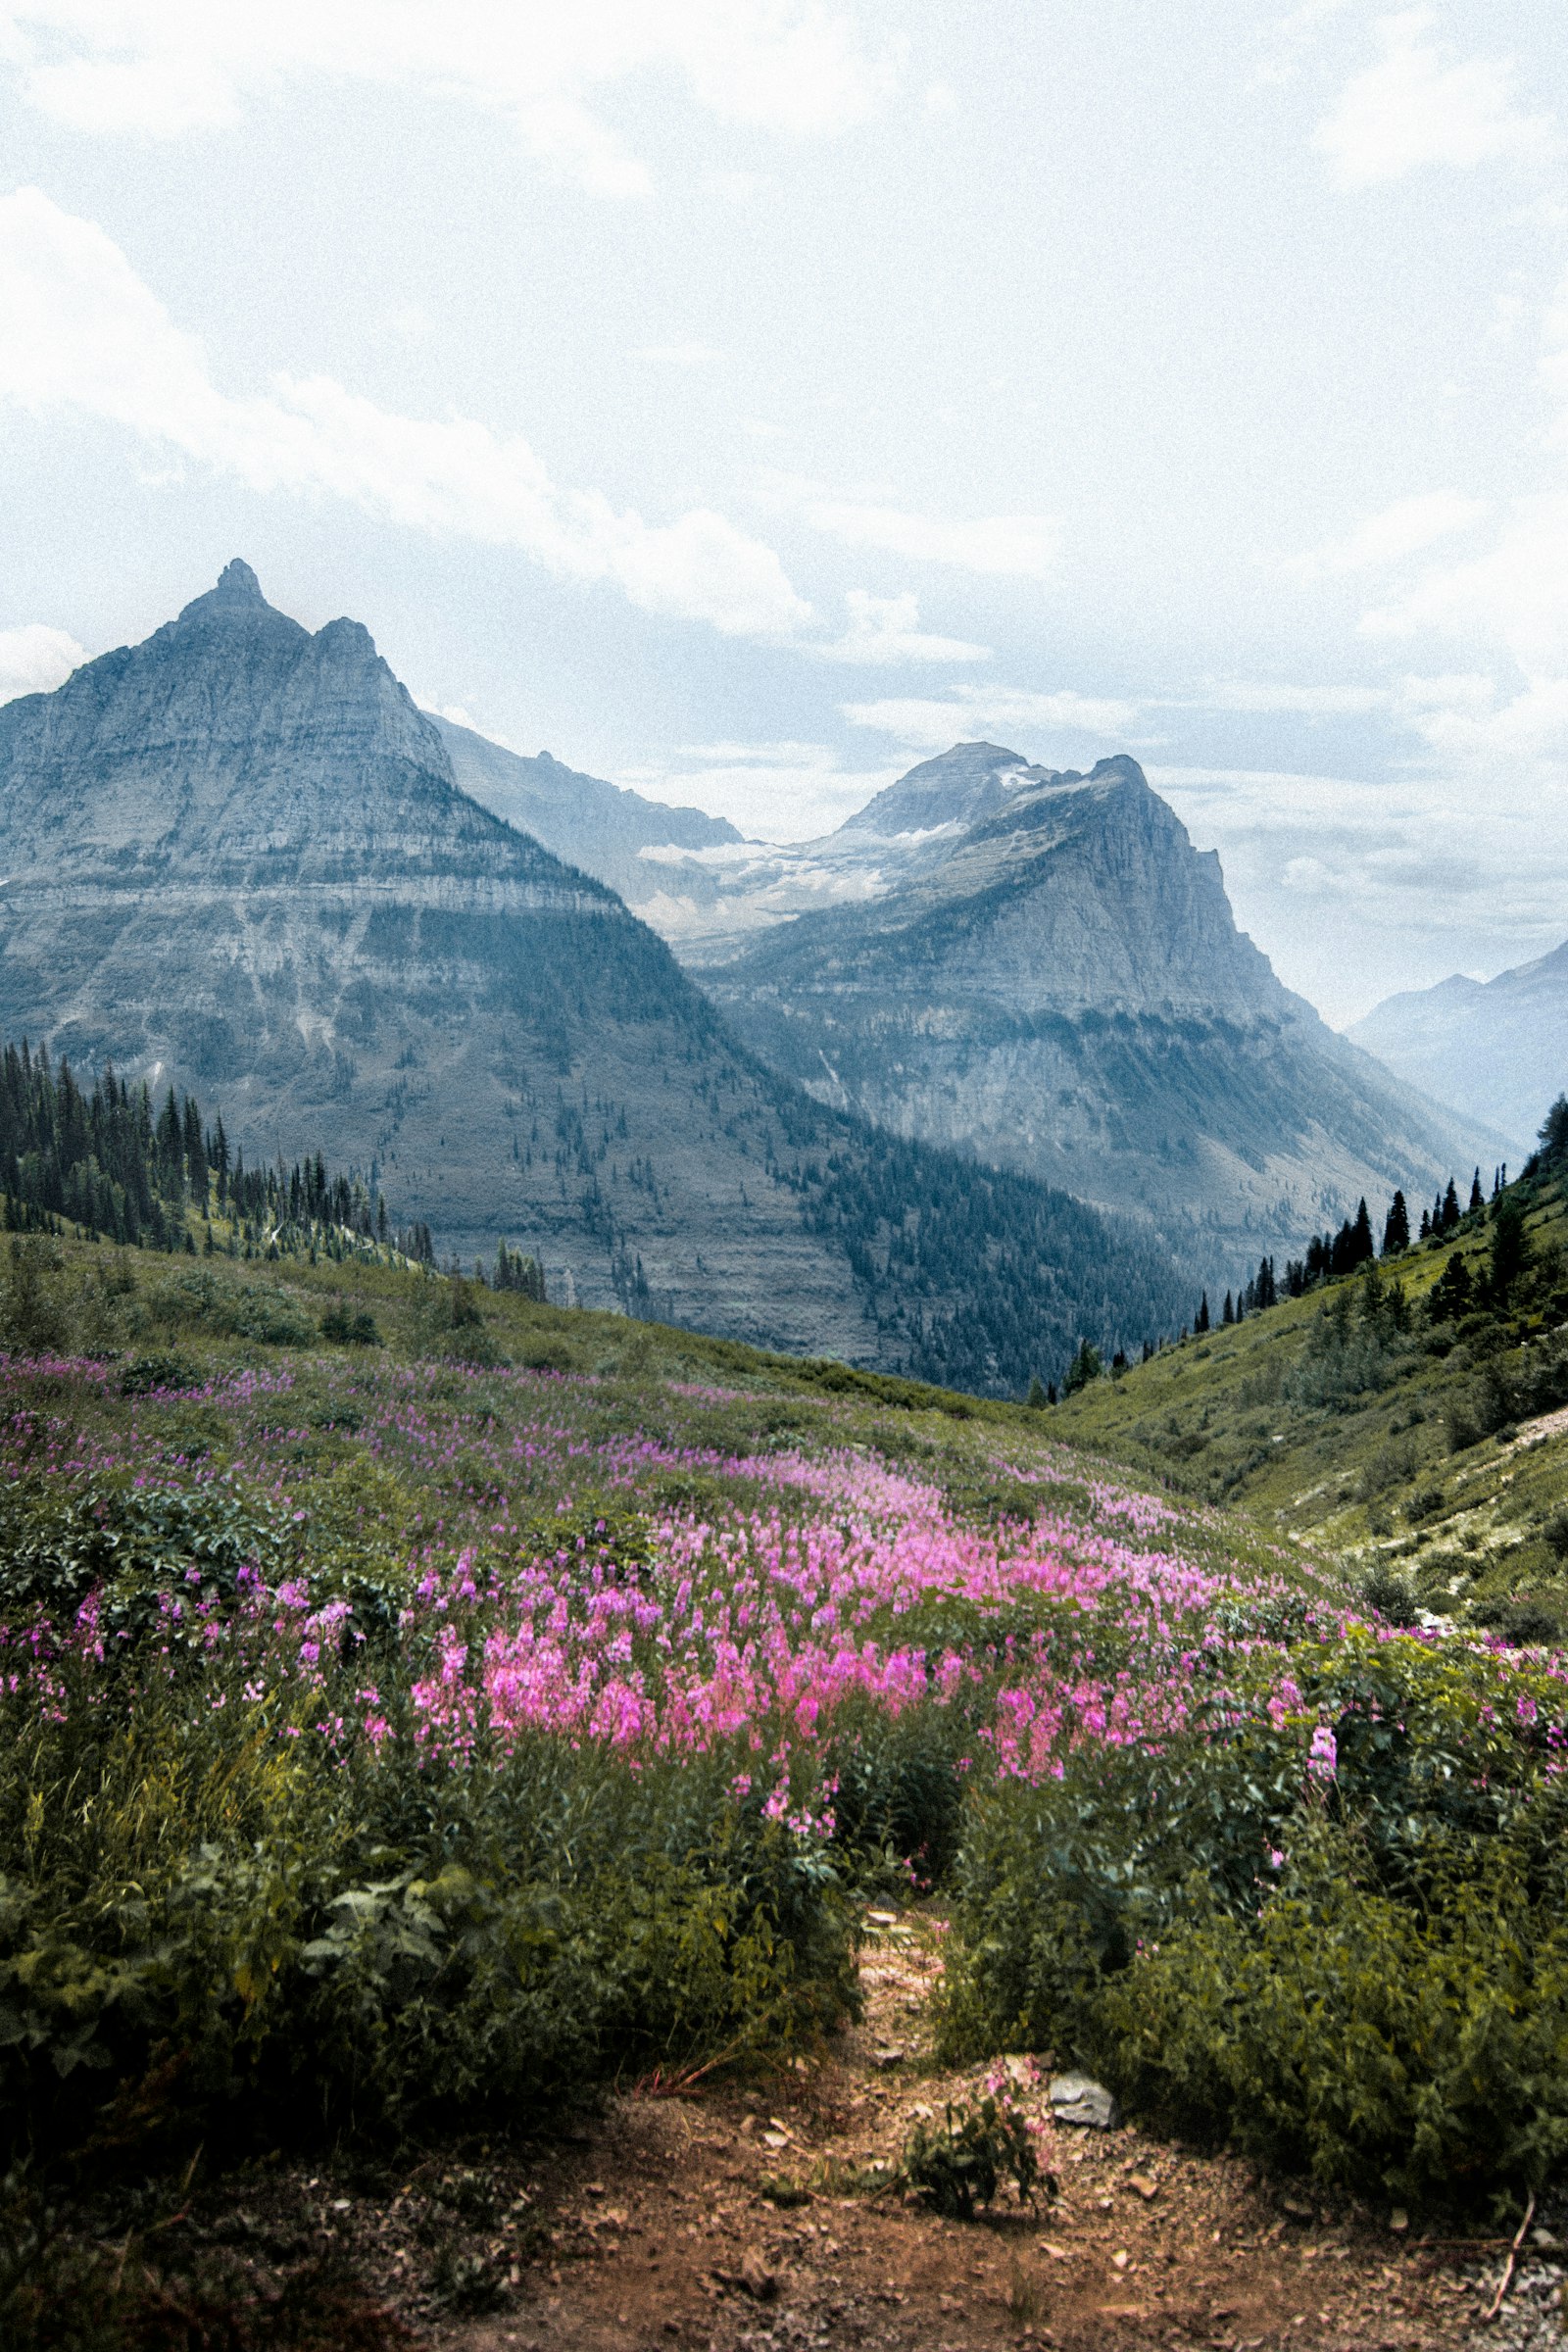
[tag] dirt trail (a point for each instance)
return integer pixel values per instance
(724, 2221)
(660, 2232)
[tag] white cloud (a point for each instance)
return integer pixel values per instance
(78, 329)
(971, 713)
(1310, 702)
(35, 659)
(1390, 536)
(1003, 546)
(887, 629)
(412, 319)
(680, 354)
(777, 792)
(1289, 40)
(1420, 105)
(1515, 594)
(162, 69)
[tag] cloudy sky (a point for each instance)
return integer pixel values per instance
(743, 398)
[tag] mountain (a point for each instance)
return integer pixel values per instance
(236, 858)
(1039, 966)
(1496, 1050)
(602, 827)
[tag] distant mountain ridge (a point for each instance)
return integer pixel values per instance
(1496, 1050)
(235, 856)
(1037, 965)
(602, 827)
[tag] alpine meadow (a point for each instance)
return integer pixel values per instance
(784, 1497)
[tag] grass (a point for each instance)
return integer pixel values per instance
(1376, 1477)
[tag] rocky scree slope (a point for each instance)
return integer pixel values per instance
(236, 859)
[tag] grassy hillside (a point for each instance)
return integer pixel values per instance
(1416, 1430)
(422, 1708)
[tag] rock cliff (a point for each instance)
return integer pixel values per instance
(1050, 974)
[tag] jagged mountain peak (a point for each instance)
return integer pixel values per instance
(236, 595)
(235, 856)
(959, 786)
(237, 584)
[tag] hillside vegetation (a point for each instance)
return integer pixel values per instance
(420, 1704)
(1409, 1416)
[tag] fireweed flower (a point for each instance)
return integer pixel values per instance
(533, 1576)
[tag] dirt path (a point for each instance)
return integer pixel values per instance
(658, 2231)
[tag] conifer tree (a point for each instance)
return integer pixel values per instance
(1450, 1208)
(1476, 1197)
(1554, 1134)
(1227, 1314)
(1396, 1228)
(1202, 1323)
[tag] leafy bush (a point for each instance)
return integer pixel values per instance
(146, 1375)
(963, 2160)
(899, 1797)
(1407, 2050)
(1390, 1594)
(222, 1308)
(1332, 1934)
(249, 1934)
(350, 1327)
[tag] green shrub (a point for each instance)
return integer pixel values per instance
(350, 1327)
(963, 2160)
(1406, 2051)
(1361, 1969)
(145, 1374)
(899, 1803)
(205, 1300)
(205, 1927)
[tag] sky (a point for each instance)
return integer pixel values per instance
(743, 399)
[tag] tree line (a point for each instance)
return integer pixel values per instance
(113, 1163)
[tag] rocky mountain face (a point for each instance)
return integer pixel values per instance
(602, 827)
(1496, 1050)
(1040, 967)
(236, 856)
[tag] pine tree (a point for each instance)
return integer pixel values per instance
(1450, 1208)
(1362, 1244)
(1227, 1314)
(1202, 1323)
(1396, 1228)
(1554, 1134)
(1476, 1197)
